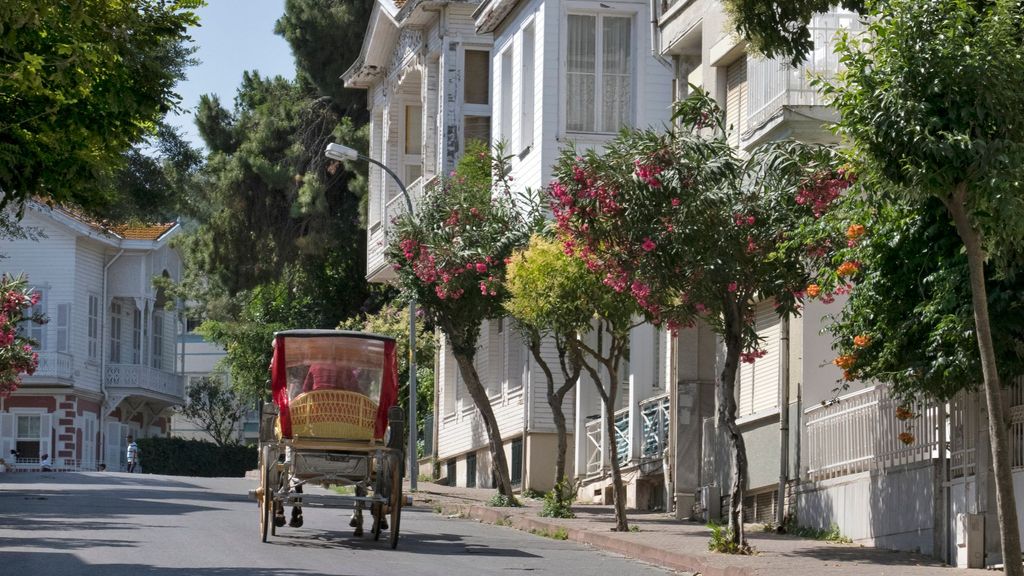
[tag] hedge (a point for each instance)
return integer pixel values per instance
(180, 457)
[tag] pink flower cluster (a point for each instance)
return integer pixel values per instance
(647, 173)
(750, 357)
(820, 192)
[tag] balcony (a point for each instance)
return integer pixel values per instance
(377, 267)
(776, 87)
(54, 367)
(141, 379)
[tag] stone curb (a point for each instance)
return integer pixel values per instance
(636, 550)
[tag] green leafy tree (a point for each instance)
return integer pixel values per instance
(80, 83)
(451, 257)
(215, 408)
(311, 25)
(779, 29)
(545, 300)
(694, 232)
(930, 104)
(554, 294)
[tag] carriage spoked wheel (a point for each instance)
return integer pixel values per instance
(395, 504)
(266, 494)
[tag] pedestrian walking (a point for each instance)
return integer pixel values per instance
(133, 454)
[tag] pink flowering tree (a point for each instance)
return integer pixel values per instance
(16, 354)
(452, 256)
(695, 232)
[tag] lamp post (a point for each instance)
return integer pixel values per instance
(341, 152)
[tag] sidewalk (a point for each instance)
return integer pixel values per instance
(682, 546)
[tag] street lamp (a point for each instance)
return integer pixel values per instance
(341, 152)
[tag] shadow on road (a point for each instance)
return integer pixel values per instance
(61, 564)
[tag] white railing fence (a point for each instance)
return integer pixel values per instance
(862, 431)
(773, 84)
(623, 438)
(146, 378)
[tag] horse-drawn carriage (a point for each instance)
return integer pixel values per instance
(333, 422)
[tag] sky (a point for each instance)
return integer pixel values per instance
(233, 36)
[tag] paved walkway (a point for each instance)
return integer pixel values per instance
(662, 540)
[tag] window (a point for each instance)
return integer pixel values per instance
(94, 327)
(33, 330)
(476, 97)
(63, 324)
(136, 336)
(115, 332)
(413, 158)
(29, 433)
(158, 341)
(599, 66)
(736, 100)
(471, 471)
(450, 472)
(526, 89)
(506, 97)
(517, 462)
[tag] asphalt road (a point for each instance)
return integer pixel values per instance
(113, 524)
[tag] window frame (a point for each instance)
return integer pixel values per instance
(581, 9)
(115, 332)
(476, 110)
(527, 85)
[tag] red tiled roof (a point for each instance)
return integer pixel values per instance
(150, 232)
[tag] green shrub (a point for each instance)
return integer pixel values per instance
(558, 502)
(721, 541)
(180, 457)
(501, 501)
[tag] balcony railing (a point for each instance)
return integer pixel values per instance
(861, 432)
(145, 377)
(773, 84)
(397, 206)
(55, 365)
(654, 433)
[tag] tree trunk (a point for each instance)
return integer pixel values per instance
(1009, 531)
(483, 404)
(727, 417)
(555, 403)
(621, 523)
(608, 397)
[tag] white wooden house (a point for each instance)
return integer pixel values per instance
(570, 73)
(107, 356)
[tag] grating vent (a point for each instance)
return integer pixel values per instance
(760, 508)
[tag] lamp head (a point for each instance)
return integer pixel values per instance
(340, 152)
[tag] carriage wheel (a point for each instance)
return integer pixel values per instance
(266, 494)
(396, 498)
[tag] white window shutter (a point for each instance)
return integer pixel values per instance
(112, 446)
(766, 368)
(63, 323)
(516, 365)
(736, 100)
(45, 434)
(7, 436)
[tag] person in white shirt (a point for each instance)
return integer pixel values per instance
(133, 454)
